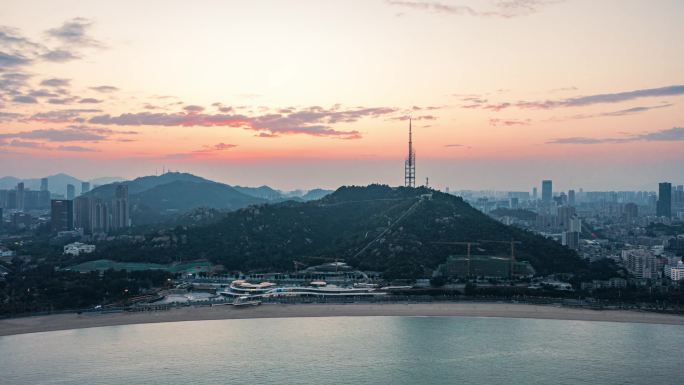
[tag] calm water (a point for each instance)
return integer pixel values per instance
(359, 350)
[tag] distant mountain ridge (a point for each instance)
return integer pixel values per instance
(155, 198)
(56, 183)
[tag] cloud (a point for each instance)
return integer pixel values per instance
(59, 56)
(267, 135)
(67, 100)
(623, 112)
(217, 147)
(9, 60)
(314, 121)
(509, 122)
(55, 82)
(419, 117)
(25, 99)
(90, 101)
(581, 101)
(9, 116)
(23, 144)
(605, 98)
(11, 82)
(456, 145)
(63, 116)
(75, 33)
(104, 89)
(205, 150)
(674, 134)
(193, 108)
(504, 8)
(75, 149)
(69, 134)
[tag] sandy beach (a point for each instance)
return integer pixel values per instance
(75, 321)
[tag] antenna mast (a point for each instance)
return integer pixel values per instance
(410, 164)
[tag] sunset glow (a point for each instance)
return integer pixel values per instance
(307, 94)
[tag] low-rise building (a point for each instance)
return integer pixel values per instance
(77, 248)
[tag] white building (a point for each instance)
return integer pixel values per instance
(676, 273)
(77, 248)
(641, 262)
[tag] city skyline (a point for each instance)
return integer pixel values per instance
(505, 97)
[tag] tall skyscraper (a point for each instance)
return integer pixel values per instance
(82, 217)
(44, 184)
(534, 193)
(571, 197)
(120, 209)
(410, 164)
(85, 187)
(70, 192)
(62, 214)
(664, 205)
(547, 191)
(21, 198)
(631, 212)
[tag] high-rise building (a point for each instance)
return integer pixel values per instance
(534, 193)
(571, 197)
(70, 192)
(85, 187)
(547, 191)
(82, 215)
(62, 214)
(565, 213)
(631, 212)
(120, 209)
(100, 217)
(664, 205)
(44, 184)
(571, 239)
(642, 263)
(21, 198)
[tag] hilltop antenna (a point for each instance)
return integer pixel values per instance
(410, 164)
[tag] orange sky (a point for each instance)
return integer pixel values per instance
(304, 94)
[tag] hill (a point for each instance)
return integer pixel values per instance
(156, 199)
(391, 230)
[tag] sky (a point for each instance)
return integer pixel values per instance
(304, 94)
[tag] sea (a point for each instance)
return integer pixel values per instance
(350, 350)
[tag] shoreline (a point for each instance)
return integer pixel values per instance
(47, 323)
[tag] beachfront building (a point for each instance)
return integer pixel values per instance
(676, 272)
(641, 262)
(77, 248)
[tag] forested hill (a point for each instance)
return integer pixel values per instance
(340, 225)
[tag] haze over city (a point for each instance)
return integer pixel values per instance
(318, 93)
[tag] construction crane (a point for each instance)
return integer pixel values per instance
(468, 244)
(512, 243)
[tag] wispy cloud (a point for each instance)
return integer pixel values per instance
(456, 145)
(314, 121)
(72, 115)
(105, 89)
(75, 33)
(12, 60)
(623, 112)
(55, 82)
(68, 134)
(509, 122)
(504, 9)
(580, 101)
(674, 134)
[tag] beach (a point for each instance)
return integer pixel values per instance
(87, 320)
